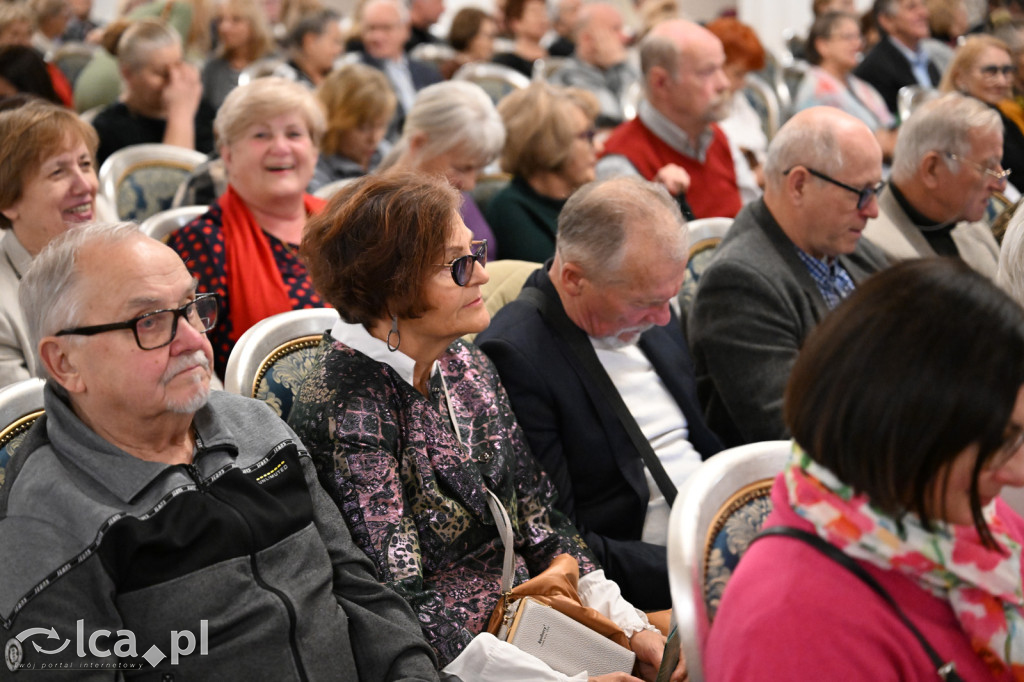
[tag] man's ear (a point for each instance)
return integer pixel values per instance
(928, 170)
(53, 353)
(796, 184)
(571, 279)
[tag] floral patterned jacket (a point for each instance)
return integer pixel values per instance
(413, 496)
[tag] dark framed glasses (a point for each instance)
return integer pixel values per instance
(158, 328)
(864, 195)
(462, 267)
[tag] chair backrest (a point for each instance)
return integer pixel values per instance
(268, 66)
(20, 406)
(71, 59)
(141, 180)
(910, 97)
(544, 69)
(434, 54)
(766, 102)
(331, 188)
(507, 278)
(271, 358)
(497, 80)
(163, 224)
(720, 508)
(705, 236)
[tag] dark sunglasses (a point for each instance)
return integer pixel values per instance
(462, 267)
(864, 195)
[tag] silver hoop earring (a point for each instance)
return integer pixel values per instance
(398, 334)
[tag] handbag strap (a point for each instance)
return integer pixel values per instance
(581, 347)
(504, 525)
(945, 670)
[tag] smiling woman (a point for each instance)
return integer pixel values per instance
(47, 184)
(245, 248)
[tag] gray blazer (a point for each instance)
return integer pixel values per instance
(17, 356)
(754, 306)
(894, 233)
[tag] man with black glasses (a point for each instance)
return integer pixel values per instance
(786, 261)
(945, 169)
(150, 525)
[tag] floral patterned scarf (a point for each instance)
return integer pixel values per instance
(982, 585)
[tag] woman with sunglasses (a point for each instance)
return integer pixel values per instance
(411, 430)
(983, 68)
(906, 407)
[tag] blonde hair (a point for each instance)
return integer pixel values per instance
(353, 96)
(261, 42)
(538, 122)
(261, 100)
(967, 56)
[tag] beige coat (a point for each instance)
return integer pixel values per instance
(17, 357)
(893, 232)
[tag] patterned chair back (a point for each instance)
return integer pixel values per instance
(271, 359)
(718, 512)
(705, 236)
(141, 180)
(496, 80)
(20, 406)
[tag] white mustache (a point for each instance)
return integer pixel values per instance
(185, 362)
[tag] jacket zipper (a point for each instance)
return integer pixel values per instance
(204, 487)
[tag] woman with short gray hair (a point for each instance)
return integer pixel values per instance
(452, 130)
(245, 247)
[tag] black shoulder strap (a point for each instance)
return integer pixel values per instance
(584, 352)
(945, 670)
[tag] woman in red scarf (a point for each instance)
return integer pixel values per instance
(245, 248)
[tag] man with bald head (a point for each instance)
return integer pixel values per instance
(786, 261)
(600, 378)
(674, 139)
(172, 530)
(599, 63)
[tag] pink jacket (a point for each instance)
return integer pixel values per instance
(790, 613)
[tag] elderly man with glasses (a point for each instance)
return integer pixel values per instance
(148, 524)
(787, 260)
(945, 169)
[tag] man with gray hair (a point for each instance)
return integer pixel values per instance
(786, 261)
(945, 168)
(599, 376)
(674, 139)
(162, 527)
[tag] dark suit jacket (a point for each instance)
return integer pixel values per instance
(423, 74)
(580, 442)
(755, 304)
(888, 70)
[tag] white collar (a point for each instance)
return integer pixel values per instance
(357, 338)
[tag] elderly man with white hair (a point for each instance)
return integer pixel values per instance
(164, 527)
(945, 168)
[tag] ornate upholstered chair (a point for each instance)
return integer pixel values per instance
(719, 510)
(496, 80)
(270, 359)
(165, 223)
(705, 236)
(142, 179)
(20, 406)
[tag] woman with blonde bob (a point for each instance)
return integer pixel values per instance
(47, 185)
(244, 37)
(453, 131)
(906, 406)
(245, 248)
(359, 103)
(550, 153)
(983, 68)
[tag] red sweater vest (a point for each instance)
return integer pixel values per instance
(713, 191)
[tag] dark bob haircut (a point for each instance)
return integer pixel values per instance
(922, 361)
(374, 245)
(465, 26)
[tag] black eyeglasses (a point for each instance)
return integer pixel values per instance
(462, 267)
(157, 329)
(864, 195)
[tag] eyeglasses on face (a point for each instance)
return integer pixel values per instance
(992, 70)
(158, 328)
(864, 195)
(1010, 447)
(999, 175)
(462, 267)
